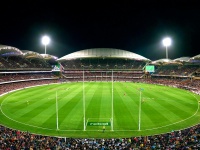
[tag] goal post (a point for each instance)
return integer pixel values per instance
(112, 103)
(84, 127)
(98, 121)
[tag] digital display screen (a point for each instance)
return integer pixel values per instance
(150, 68)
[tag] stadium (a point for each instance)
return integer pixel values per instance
(98, 98)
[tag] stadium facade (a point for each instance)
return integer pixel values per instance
(22, 68)
(97, 64)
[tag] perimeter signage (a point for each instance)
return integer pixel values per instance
(98, 124)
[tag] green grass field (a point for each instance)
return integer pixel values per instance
(159, 109)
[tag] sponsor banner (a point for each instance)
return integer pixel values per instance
(98, 124)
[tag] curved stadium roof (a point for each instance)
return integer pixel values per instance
(13, 51)
(9, 51)
(197, 57)
(182, 59)
(103, 52)
(31, 54)
(167, 61)
(164, 60)
(48, 57)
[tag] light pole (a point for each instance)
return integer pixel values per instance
(45, 41)
(166, 42)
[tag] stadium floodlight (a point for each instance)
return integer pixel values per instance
(166, 42)
(45, 41)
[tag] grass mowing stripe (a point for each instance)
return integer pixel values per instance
(162, 109)
(68, 107)
(136, 101)
(175, 99)
(33, 111)
(71, 116)
(147, 120)
(68, 111)
(130, 97)
(41, 117)
(71, 108)
(25, 109)
(126, 119)
(90, 89)
(94, 101)
(106, 99)
(28, 100)
(93, 109)
(169, 105)
(156, 116)
(32, 96)
(175, 105)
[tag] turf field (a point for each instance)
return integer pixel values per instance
(130, 109)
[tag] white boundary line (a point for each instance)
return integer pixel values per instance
(93, 118)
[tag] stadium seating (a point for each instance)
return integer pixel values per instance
(185, 75)
(180, 70)
(102, 64)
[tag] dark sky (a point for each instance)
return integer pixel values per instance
(135, 26)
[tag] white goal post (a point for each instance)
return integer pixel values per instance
(105, 121)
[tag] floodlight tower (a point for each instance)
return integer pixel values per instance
(166, 42)
(45, 41)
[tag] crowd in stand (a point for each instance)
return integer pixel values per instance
(102, 63)
(197, 73)
(4, 88)
(187, 139)
(177, 70)
(21, 62)
(24, 76)
(189, 84)
(102, 75)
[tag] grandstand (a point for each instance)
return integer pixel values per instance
(98, 64)
(24, 68)
(20, 67)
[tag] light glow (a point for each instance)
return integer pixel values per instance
(45, 40)
(167, 41)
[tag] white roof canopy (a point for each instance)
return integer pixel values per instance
(103, 52)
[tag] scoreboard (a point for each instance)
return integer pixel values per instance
(150, 68)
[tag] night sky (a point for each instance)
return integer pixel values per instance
(138, 26)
